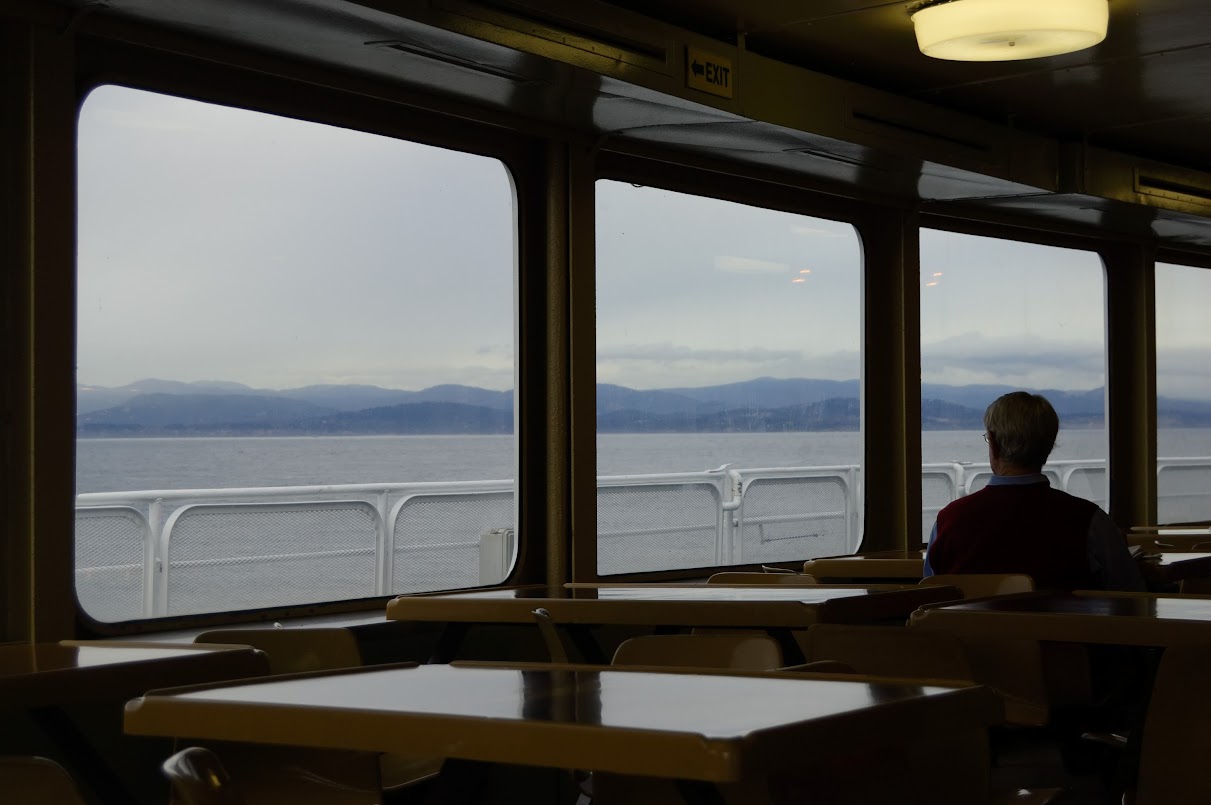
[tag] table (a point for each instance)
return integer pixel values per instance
(43, 678)
(774, 608)
(713, 728)
(1127, 619)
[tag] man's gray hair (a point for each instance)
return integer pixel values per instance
(1024, 426)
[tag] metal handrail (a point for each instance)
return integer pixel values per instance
(148, 515)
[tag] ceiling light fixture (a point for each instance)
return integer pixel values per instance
(1007, 30)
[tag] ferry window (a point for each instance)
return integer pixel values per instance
(295, 361)
(999, 316)
(728, 365)
(1183, 392)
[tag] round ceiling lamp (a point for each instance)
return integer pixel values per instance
(1007, 30)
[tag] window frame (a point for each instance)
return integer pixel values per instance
(1194, 262)
(884, 388)
(1129, 276)
(358, 105)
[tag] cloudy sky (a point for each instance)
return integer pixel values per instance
(221, 244)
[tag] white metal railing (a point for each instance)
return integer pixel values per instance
(154, 553)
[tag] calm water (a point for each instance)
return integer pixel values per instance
(113, 465)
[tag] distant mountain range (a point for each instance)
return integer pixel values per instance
(172, 408)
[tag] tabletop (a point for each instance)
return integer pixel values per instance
(1140, 619)
(52, 674)
(759, 606)
(1171, 566)
(707, 727)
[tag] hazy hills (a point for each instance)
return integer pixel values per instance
(171, 408)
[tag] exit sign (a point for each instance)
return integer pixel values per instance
(709, 72)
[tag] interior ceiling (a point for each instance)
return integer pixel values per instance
(1064, 139)
(1143, 91)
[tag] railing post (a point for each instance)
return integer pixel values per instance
(158, 591)
(727, 552)
(853, 529)
(383, 546)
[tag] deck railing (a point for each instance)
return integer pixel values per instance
(157, 553)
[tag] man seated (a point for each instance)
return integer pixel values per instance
(1019, 524)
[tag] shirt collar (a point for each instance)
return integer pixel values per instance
(1018, 480)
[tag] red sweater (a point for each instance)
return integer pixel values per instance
(1027, 528)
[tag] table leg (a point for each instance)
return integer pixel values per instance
(448, 642)
(586, 644)
(696, 792)
(792, 652)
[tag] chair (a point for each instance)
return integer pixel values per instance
(898, 651)
(739, 651)
(857, 568)
(556, 647)
(735, 651)
(198, 777)
(1176, 739)
(240, 774)
(983, 585)
(31, 780)
(820, 667)
(748, 578)
(1035, 676)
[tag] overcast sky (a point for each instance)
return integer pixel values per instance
(220, 244)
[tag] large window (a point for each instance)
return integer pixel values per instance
(1183, 391)
(728, 364)
(999, 316)
(295, 361)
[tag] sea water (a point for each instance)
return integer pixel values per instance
(121, 465)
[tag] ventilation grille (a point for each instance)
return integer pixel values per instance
(1184, 188)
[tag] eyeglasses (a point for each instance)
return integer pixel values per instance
(985, 438)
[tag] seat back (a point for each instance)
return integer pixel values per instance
(889, 650)
(293, 650)
(1177, 731)
(982, 585)
(743, 577)
(34, 780)
(736, 651)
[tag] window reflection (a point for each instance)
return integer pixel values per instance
(1183, 391)
(1000, 315)
(728, 365)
